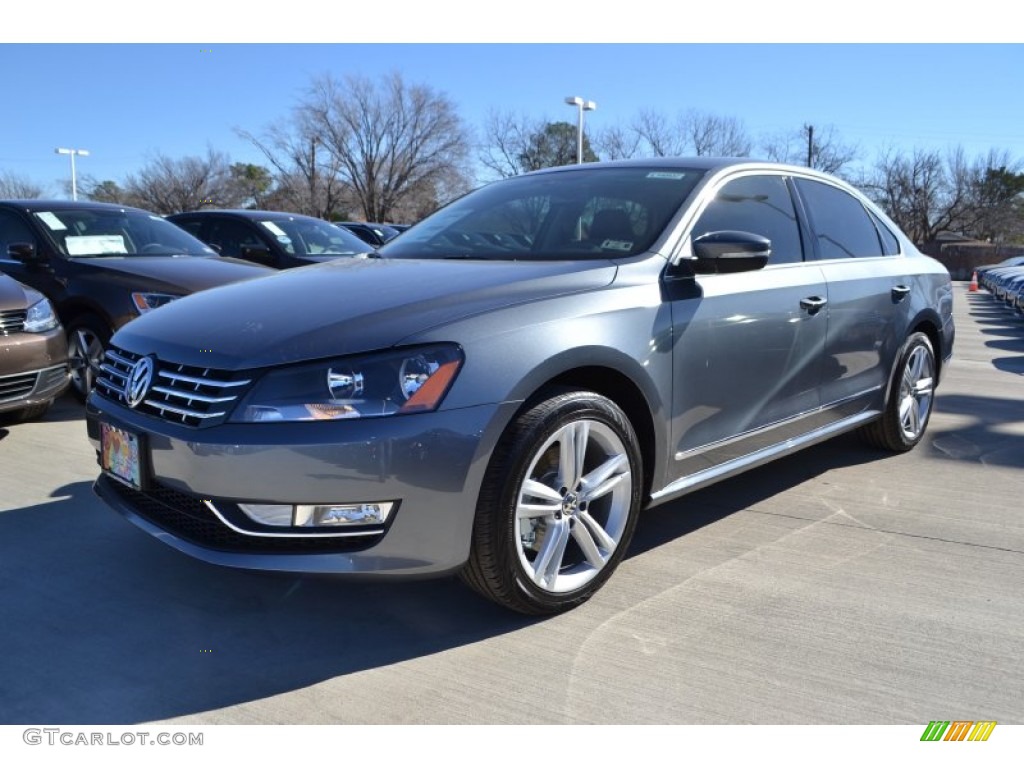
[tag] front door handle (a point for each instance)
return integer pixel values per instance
(900, 292)
(813, 304)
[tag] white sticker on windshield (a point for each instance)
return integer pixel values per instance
(91, 245)
(665, 175)
(274, 228)
(51, 220)
(617, 245)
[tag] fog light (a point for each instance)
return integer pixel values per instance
(268, 514)
(334, 515)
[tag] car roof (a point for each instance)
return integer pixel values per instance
(698, 163)
(244, 213)
(38, 204)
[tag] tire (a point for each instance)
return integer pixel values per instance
(87, 341)
(911, 395)
(547, 535)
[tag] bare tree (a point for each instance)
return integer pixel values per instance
(660, 136)
(388, 139)
(618, 143)
(654, 134)
(926, 193)
(308, 177)
(505, 138)
(514, 145)
(811, 146)
(166, 185)
(15, 186)
(715, 135)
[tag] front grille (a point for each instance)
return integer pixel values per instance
(184, 394)
(188, 518)
(12, 321)
(17, 386)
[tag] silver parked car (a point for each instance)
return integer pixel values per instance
(520, 374)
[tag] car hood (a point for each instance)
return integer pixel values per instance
(14, 296)
(178, 274)
(343, 307)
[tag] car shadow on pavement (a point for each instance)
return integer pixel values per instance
(989, 417)
(695, 510)
(102, 624)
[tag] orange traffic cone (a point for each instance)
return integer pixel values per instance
(974, 283)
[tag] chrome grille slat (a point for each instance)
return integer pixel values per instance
(111, 369)
(12, 321)
(195, 396)
(203, 381)
(182, 411)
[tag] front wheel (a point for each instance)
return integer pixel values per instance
(911, 395)
(558, 505)
(87, 342)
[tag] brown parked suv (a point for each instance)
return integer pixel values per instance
(33, 352)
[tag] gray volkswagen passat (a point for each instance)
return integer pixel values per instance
(522, 373)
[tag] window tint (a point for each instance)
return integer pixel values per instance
(758, 204)
(841, 224)
(890, 245)
(13, 230)
(231, 236)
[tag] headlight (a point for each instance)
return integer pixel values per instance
(144, 302)
(403, 381)
(40, 317)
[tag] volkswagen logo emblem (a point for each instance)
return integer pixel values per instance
(139, 379)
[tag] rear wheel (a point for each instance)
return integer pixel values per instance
(911, 393)
(87, 342)
(558, 505)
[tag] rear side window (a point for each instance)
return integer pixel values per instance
(890, 245)
(841, 225)
(758, 204)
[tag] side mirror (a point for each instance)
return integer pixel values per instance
(24, 252)
(258, 253)
(730, 251)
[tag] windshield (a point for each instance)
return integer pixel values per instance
(313, 237)
(84, 232)
(574, 214)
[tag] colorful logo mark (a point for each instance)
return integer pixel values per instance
(958, 730)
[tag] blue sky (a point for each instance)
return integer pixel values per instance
(125, 102)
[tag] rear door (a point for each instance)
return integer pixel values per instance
(868, 292)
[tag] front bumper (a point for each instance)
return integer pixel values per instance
(430, 465)
(33, 369)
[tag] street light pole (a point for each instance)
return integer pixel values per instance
(582, 106)
(72, 152)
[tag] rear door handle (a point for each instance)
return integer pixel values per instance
(813, 304)
(899, 292)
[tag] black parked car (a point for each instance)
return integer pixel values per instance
(374, 234)
(270, 237)
(102, 265)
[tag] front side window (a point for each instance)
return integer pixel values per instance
(760, 205)
(13, 230)
(840, 222)
(575, 214)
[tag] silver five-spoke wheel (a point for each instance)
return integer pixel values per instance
(558, 505)
(916, 386)
(911, 394)
(573, 506)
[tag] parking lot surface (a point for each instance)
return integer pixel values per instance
(839, 585)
